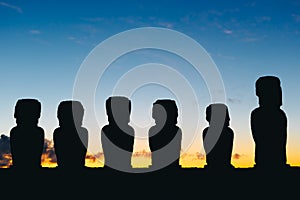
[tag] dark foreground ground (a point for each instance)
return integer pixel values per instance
(186, 183)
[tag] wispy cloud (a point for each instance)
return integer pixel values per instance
(150, 21)
(226, 57)
(166, 24)
(234, 100)
(71, 38)
(88, 28)
(16, 8)
(200, 156)
(80, 41)
(142, 153)
(227, 31)
(237, 156)
(192, 156)
(132, 20)
(250, 39)
(34, 32)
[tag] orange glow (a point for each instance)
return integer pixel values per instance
(47, 162)
(294, 159)
(242, 160)
(94, 161)
(191, 160)
(6, 161)
(142, 159)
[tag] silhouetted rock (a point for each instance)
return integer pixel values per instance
(70, 138)
(27, 138)
(219, 146)
(165, 136)
(118, 137)
(269, 125)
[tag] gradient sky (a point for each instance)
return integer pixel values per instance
(43, 43)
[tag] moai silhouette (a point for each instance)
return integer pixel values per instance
(218, 157)
(165, 136)
(117, 137)
(269, 125)
(27, 138)
(70, 138)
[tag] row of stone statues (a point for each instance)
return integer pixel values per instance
(268, 126)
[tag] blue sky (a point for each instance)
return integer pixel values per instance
(43, 43)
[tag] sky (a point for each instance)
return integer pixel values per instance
(44, 43)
